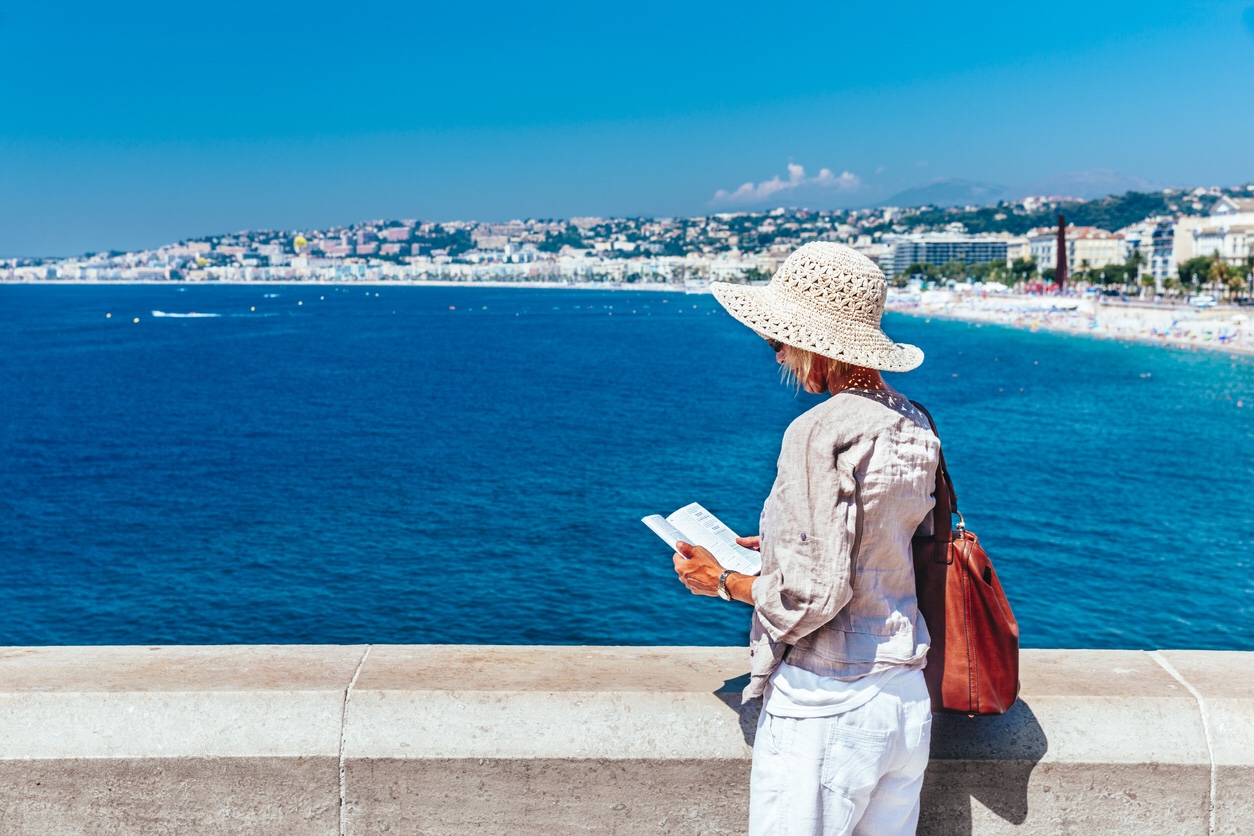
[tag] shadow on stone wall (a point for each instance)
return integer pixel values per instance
(989, 759)
(729, 693)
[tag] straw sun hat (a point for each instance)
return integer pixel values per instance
(826, 298)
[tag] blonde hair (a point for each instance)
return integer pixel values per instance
(801, 365)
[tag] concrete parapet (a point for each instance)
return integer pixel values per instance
(1223, 683)
(473, 739)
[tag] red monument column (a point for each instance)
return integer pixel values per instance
(1060, 261)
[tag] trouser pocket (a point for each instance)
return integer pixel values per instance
(777, 732)
(855, 758)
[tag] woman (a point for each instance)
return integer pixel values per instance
(837, 646)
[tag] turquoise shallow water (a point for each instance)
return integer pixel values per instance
(469, 465)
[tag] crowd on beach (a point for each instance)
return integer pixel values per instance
(1220, 328)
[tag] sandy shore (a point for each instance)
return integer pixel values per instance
(1229, 330)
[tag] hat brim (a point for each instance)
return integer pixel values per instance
(774, 315)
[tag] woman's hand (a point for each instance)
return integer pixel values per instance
(697, 569)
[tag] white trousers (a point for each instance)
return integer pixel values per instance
(856, 773)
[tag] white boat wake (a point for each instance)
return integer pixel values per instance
(191, 315)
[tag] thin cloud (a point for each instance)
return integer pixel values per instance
(825, 179)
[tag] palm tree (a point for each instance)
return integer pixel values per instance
(1136, 260)
(1218, 274)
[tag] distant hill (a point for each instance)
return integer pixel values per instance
(948, 192)
(1111, 213)
(1087, 185)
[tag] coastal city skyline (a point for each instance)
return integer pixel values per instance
(147, 123)
(1171, 240)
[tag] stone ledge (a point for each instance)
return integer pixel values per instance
(162, 702)
(439, 739)
(1223, 682)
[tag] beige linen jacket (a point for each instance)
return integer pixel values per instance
(855, 480)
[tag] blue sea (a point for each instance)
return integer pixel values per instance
(416, 464)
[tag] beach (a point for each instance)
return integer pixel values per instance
(1223, 329)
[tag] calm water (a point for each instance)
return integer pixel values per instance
(469, 464)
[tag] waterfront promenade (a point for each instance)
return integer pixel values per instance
(338, 739)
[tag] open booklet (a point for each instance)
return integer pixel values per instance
(693, 524)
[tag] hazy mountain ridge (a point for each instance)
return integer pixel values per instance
(948, 192)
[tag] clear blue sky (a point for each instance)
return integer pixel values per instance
(132, 124)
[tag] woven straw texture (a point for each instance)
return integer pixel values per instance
(826, 298)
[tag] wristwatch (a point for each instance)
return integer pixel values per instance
(722, 585)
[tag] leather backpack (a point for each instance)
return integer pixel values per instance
(973, 664)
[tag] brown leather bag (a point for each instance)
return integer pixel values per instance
(973, 665)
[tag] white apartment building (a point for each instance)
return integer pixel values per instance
(1139, 237)
(1087, 247)
(938, 248)
(1017, 247)
(1228, 230)
(1153, 239)
(880, 253)
(1042, 244)
(1232, 243)
(1162, 259)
